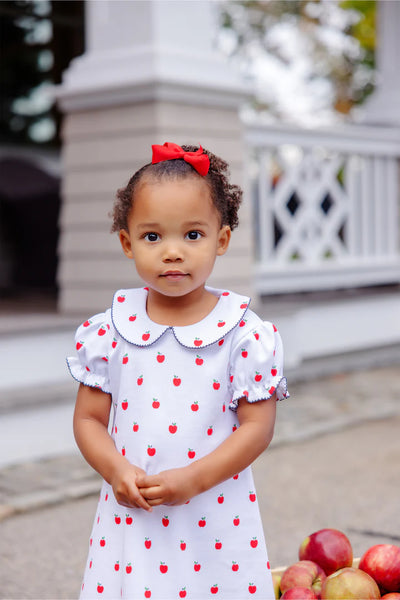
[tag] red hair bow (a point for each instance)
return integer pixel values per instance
(169, 151)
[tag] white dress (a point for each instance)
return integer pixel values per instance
(174, 393)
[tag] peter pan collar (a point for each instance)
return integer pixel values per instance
(131, 321)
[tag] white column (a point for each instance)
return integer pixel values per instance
(147, 49)
(384, 106)
(151, 73)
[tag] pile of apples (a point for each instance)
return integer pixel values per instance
(325, 571)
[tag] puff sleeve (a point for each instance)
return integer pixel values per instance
(93, 341)
(256, 368)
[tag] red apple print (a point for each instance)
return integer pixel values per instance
(236, 521)
(183, 545)
(214, 589)
(242, 323)
(268, 565)
(147, 543)
(98, 519)
(235, 566)
(100, 588)
(245, 393)
(225, 293)
(135, 427)
(165, 521)
(128, 568)
(117, 519)
(191, 453)
(79, 345)
(218, 545)
(234, 427)
(182, 593)
(257, 377)
(256, 335)
(90, 541)
(216, 385)
(252, 588)
(90, 564)
(116, 566)
(199, 361)
(252, 497)
(274, 371)
(106, 498)
(202, 522)
(101, 331)
(128, 520)
(176, 381)
(102, 542)
(124, 404)
(271, 390)
(274, 328)
(172, 428)
(105, 358)
(132, 318)
(244, 305)
(223, 408)
(198, 342)
(221, 342)
(221, 499)
(196, 566)
(235, 477)
(87, 369)
(244, 353)
(116, 429)
(123, 451)
(146, 336)
(221, 323)
(87, 323)
(163, 567)
(139, 380)
(125, 359)
(254, 542)
(160, 357)
(210, 430)
(121, 298)
(155, 403)
(147, 593)
(195, 406)
(114, 343)
(151, 451)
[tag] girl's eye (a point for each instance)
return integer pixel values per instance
(151, 237)
(193, 235)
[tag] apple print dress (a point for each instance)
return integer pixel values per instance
(174, 395)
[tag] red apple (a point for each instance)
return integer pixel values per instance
(329, 548)
(235, 566)
(382, 562)
(196, 566)
(299, 593)
(349, 584)
(304, 573)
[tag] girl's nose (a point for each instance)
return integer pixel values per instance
(172, 253)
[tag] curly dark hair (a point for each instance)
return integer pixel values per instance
(225, 196)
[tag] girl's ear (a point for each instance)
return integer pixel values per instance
(224, 237)
(126, 243)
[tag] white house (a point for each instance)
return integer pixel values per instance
(318, 246)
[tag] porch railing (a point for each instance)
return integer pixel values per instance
(326, 206)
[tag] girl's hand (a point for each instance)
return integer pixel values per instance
(124, 484)
(172, 487)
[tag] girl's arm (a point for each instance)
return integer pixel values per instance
(238, 451)
(92, 411)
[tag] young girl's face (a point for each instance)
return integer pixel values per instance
(174, 235)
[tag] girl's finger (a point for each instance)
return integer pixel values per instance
(150, 493)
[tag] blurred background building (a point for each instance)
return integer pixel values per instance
(301, 98)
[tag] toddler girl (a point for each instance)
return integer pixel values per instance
(192, 375)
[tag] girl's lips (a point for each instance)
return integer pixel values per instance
(174, 275)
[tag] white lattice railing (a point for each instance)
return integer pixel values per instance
(326, 207)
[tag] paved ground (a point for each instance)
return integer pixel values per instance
(333, 463)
